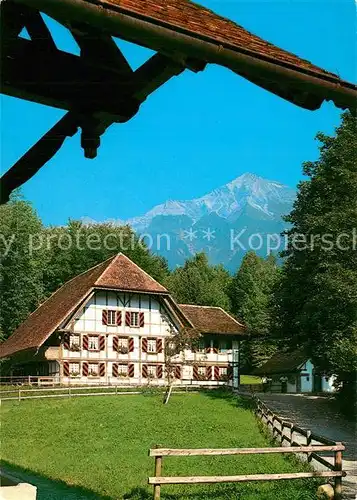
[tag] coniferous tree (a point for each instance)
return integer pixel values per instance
(251, 294)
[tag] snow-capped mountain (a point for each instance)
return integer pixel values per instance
(227, 201)
(249, 205)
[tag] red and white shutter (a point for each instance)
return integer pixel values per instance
(144, 371)
(66, 341)
(131, 344)
(144, 344)
(85, 369)
(115, 369)
(115, 343)
(105, 317)
(85, 343)
(178, 371)
(208, 346)
(159, 371)
(195, 372)
(141, 319)
(131, 370)
(158, 345)
(119, 321)
(209, 372)
(216, 373)
(127, 318)
(101, 342)
(101, 369)
(66, 369)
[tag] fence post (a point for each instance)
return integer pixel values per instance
(158, 466)
(19, 394)
(308, 443)
(338, 468)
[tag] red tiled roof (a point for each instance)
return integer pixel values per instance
(118, 273)
(200, 21)
(213, 320)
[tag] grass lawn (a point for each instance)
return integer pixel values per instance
(97, 447)
(250, 379)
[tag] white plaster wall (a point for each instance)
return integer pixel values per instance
(307, 377)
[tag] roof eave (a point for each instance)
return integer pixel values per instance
(165, 39)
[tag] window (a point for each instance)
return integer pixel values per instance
(201, 370)
(112, 316)
(151, 345)
(74, 341)
(123, 369)
(152, 371)
(223, 346)
(134, 319)
(223, 371)
(93, 343)
(74, 368)
(93, 369)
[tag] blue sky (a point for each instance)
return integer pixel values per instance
(197, 132)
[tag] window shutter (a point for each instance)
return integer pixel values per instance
(209, 372)
(127, 318)
(144, 371)
(115, 369)
(195, 372)
(66, 341)
(104, 317)
(158, 345)
(119, 318)
(85, 342)
(101, 369)
(178, 371)
(144, 344)
(85, 369)
(216, 372)
(131, 370)
(159, 371)
(131, 344)
(115, 343)
(102, 342)
(141, 319)
(66, 369)
(230, 372)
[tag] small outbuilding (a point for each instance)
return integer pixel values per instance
(294, 372)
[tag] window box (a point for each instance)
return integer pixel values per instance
(74, 374)
(75, 348)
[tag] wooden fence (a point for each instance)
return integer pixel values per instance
(158, 453)
(20, 393)
(292, 435)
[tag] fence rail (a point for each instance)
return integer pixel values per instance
(288, 433)
(158, 453)
(20, 394)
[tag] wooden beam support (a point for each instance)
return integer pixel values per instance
(37, 156)
(65, 81)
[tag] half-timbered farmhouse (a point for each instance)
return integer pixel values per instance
(110, 325)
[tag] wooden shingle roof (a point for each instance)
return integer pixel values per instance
(213, 320)
(283, 362)
(204, 23)
(118, 273)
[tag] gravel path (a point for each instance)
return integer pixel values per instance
(315, 413)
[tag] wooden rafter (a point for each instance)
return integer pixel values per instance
(97, 88)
